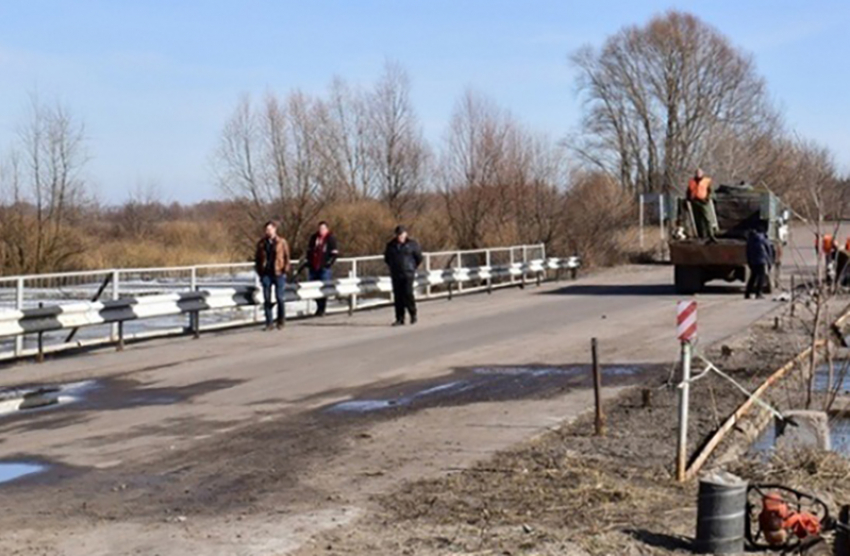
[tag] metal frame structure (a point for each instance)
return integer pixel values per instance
(50, 299)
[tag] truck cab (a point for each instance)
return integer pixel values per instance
(737, 210)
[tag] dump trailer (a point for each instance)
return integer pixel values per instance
(738, 210)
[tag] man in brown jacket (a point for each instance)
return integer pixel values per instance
(271, 262)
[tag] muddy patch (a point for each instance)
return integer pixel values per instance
(489, 384)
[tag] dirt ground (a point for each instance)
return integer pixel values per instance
(570, 492)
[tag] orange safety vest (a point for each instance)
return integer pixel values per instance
(698, 190)
(827, 243)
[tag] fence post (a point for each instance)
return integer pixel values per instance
(597, 388)
(511, 266)
(640, 219)
(116, 294)
(19, 305)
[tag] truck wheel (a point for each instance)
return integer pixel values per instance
(688, 279)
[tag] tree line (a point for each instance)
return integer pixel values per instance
(659, 99)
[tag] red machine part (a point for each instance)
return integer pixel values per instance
(778, 521)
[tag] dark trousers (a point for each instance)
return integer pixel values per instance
(403, 296)
(758, 279)
(321, 275)
(702, 219)
(279, 283)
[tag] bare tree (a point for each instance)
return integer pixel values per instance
(661, 98)
(397, 149)
(475, 149)
(43, 188)
(269, 158)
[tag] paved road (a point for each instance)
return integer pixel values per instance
(169, 396)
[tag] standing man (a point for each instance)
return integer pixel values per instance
(759, 260)
(272, 263)
(321, 254)
(403, 256)
(699, 195)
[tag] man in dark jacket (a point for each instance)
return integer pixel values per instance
(759, 259)
(403, 256)
(271, 261)
(322, 253)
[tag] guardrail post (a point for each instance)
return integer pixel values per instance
(511, 266)
(574, 271)
(428, 270)
(19, 305)
(257, 289)
(194, 316)
(352, 299)
(40, 357)
(120, 346)
(524, 263)
(116, 293)
(488, 260)
(459, 265)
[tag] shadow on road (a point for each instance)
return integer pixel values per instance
(657, 290)
(615, 289)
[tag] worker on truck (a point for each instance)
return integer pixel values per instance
(699, 196)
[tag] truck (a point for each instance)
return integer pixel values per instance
(738, 210)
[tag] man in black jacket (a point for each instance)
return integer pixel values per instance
(759, 258)
(322, 253)
(403, 256)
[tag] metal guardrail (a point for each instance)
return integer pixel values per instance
(154, 301)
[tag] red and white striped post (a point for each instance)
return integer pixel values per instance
(686, 329)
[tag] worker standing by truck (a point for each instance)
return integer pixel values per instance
(699, 196)
(759, 259)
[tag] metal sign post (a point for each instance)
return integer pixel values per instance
(686, 328)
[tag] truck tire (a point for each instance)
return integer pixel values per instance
(688, 279)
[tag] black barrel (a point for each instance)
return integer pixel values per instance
(721, 514)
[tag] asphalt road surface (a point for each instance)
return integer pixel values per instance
(248, 442)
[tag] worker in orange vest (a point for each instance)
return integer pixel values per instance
(699, 196)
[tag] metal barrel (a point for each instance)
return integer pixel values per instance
(721, 514)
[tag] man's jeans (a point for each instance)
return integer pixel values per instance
(279, 283)
(321, 275)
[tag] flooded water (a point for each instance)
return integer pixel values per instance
(839, 437)
(11, 471)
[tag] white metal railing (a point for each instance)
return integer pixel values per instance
(471, 271)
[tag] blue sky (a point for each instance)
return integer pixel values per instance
(154, 81)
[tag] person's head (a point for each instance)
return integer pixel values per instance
(698, 174)
(323, 228)
(401, 234)
(271, 229)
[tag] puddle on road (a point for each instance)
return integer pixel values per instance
(36, 398)
(11, 471)
(486, 384)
